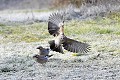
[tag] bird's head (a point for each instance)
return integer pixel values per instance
(40, 47)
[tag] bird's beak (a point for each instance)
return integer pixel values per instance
(38, 48)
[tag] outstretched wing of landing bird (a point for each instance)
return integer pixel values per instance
(75, 46)
(56, 21)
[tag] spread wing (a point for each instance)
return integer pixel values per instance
(75, 46)
(54, 22)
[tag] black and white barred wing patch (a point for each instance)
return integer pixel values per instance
(75, 46)
(55, 20)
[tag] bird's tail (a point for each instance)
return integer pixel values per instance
(49, 55)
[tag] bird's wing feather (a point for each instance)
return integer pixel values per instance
(53, 24)
(54, 48)
(75, 46)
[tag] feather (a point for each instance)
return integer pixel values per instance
(55, 20)
(75, 46)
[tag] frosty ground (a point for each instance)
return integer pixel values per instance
(16, 63)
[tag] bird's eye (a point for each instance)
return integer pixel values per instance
(61, 38)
